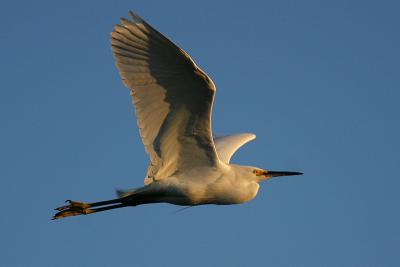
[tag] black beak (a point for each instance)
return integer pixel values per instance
(278, 173)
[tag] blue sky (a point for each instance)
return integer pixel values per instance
(317, 81)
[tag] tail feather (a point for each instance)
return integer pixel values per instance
(125, 192)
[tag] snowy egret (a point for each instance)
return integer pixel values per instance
(173, 99)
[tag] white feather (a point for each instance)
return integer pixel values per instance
(227, 145)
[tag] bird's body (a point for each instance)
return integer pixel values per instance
(173, 99)
(226, 184)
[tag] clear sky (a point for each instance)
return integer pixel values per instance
(317, 81)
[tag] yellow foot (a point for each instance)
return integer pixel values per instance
(73, 209)
(73, 204)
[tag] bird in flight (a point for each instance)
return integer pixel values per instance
(173, 100)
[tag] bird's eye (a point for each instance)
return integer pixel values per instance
(258, 172)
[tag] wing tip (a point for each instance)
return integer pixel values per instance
(134, 19)
(251, 136)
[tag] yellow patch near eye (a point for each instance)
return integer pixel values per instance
(258, 172)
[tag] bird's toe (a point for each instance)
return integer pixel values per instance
(74, 211)
(74, 208)
(73, 204)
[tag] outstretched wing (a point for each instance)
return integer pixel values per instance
(172, 96)
(227, 145)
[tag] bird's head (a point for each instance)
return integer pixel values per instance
(261, 175)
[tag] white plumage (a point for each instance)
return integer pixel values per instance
(227, 145)
(173, 100)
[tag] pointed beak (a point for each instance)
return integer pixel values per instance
(270, 174)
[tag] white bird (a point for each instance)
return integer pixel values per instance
(173, 99)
